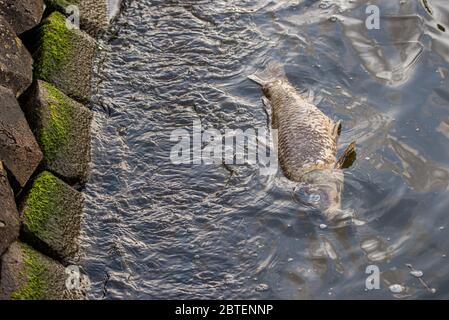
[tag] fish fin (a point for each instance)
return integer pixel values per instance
(256, 79)
(347, 158)
(336, 130)
(273, 71)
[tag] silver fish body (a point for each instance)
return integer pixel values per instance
(307, 143)
(307, 138)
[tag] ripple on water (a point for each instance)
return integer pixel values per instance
(153, 229)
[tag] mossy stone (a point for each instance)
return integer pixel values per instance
(29, 275)
(51, 212)
(64, 56)
(94, 14)
(62, 128)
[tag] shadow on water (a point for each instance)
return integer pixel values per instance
(153, 229)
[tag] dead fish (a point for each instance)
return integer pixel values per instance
(307, 142)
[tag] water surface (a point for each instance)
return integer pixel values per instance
(155, 230)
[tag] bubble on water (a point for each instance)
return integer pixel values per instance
(324, 5)
(358, 222)
(396, 288)
(262, 287)
(323, 226)
(333, 19)
(290, 259)
(417, 273)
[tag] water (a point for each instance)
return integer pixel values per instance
(155, 230)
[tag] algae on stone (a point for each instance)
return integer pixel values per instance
(54, 136)
(35, 271)
(62, 128)
(94, 14)
(29, 275)
(51, 212)
(63, 56)
(55, 47)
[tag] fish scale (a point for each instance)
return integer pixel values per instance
(307, 138)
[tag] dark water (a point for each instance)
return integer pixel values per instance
(156, 230)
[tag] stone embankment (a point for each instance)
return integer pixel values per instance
(45, 89)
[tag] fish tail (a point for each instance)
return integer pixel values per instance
(273, 71)
(256, 79)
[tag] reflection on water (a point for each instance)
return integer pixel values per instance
(153, 229)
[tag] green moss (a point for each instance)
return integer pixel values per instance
(54, 47)
(34, 273)
(41, 203)
(54, 134)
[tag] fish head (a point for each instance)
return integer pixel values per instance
(321, 190)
